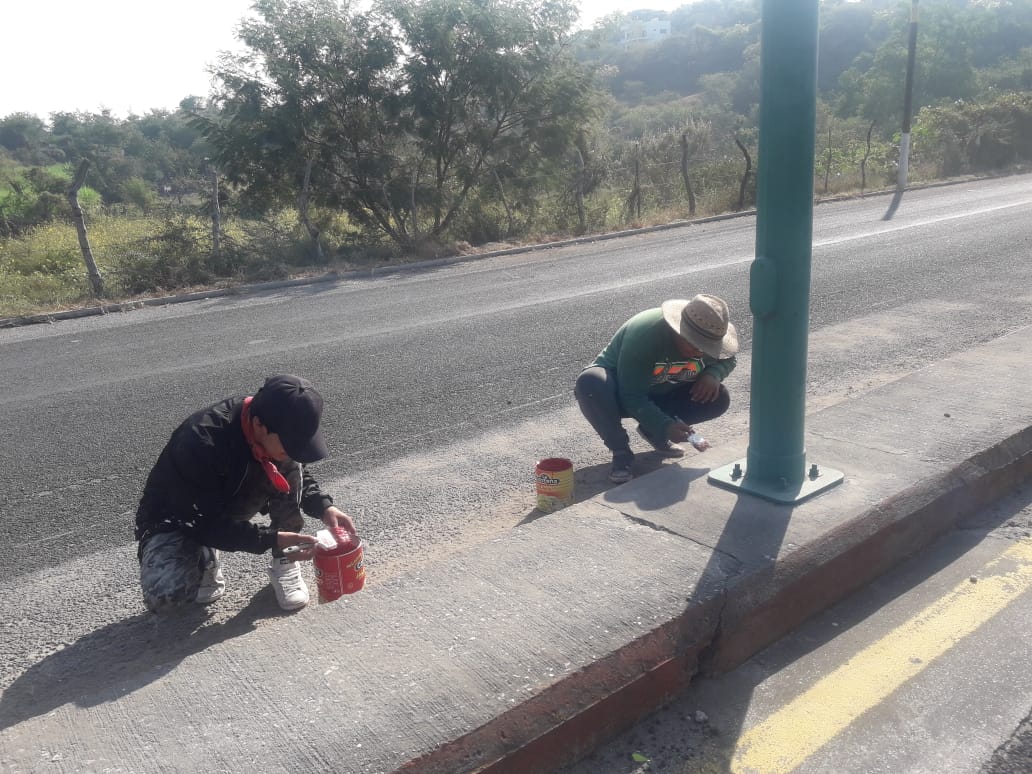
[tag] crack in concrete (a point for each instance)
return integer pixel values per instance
(652, 525)
(707, 654)
(660, 528)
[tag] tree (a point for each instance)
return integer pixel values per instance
(873, 86)
(399, 114)
(307, 102)
(25, 136)
(846, 29)
(112, 146)
(964, 137)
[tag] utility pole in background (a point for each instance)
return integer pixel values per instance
(908, 96)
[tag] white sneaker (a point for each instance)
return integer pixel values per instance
(290, 588)
(213, 585)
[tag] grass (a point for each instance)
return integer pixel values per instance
(147, 256)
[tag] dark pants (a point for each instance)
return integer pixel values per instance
(172, 564)
(596, 392)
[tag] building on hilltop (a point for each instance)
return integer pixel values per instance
(637, 31)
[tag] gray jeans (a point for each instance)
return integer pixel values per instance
(597, 394)
(171, 567)
(172, 564)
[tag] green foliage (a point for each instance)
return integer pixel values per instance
(675, 65)
(25, 138)
(714, 14)
(954, 40)
(52, 249)
(640, 120)
(976, 137)
(43, 267)
(31, 196)
(399, 114)
(139, 193)
(176, 256)
(847, 30)
(1012, 73)
(159, 148)
(405, 126)
(843, 162)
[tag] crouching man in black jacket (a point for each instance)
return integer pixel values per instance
(224, 465)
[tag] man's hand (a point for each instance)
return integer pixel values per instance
(335, 517)
(706, 389)
(678, 432)
(305, 545)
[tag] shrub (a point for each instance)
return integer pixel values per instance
(139, 193)
(176, 256)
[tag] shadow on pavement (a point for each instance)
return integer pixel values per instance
(674, 489)
(122, 657)
(593, 480)
(741, 529)
(678, 742)
(753, 529)
(717, 751)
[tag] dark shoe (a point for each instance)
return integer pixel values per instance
(621, 470)
(664, 447)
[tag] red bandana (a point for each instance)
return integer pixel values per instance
(277, 478)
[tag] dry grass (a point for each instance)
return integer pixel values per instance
(43, 272)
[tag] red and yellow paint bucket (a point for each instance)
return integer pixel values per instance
(554, 476)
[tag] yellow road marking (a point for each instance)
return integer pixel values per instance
(795, 732)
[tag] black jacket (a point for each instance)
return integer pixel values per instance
(207, 484)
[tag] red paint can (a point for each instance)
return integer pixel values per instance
(339, 569)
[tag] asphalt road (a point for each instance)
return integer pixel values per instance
(444, 385)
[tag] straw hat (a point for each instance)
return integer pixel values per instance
(704, 322)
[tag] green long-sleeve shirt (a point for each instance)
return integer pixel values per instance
(644, 356)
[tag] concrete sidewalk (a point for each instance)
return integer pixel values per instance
(518, 655)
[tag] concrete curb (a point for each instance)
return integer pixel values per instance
(846, 559)
(618, 691)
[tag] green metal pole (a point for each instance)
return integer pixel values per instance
(779, 296)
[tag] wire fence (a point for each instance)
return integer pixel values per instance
(173, 246)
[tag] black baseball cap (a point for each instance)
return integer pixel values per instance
(291, 407)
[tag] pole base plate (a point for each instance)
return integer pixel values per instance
(817, 479)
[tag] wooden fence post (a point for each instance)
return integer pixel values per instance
(685, 155)
(216, 216)
(634, 200)
(303, 200)
(96, 281)
(863, 161)
(745, 175)
(579, 191)
(827, 162)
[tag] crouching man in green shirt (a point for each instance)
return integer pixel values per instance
(665, 368)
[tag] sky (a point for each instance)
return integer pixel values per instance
(132, 57)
